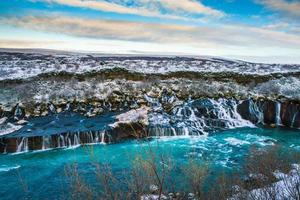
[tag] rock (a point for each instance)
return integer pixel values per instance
(44, 113)
(191, 196)
(137, 115)
(246, 108)
(171, 195)
(290, 114)
(52, 108)
(7, 128)
(21, 122)
(90, 114)
(18, 112)
(59, 110)
(3, 120)
(132, 124)
(153, 188)
(153, 197)
(269, 111)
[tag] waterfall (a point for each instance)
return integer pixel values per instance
(174, 131)
(256, 111)
(23, 145)
(197, 117)
(102, 137)
(62, 140)
(46, 142)
(293, 119)
(76, 139)
(278, 117)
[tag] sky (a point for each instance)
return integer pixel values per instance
(254, 30)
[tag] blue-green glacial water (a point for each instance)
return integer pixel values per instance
(43, 174)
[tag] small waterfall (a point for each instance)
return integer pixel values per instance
(174, 131)
(69, 142)
(62, 140)
(91, 137)
(103, 137)
(256, 111)
(76, 139)
(278, 117)
(23, 145)
(46, 142)
(293, 119)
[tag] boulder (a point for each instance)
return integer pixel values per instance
(132, 124)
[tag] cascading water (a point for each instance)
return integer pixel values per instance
(293, 119)
(196, 117)
(278, 117)
(23, 145)
(256, 112)
(64, 140)
(165, 116)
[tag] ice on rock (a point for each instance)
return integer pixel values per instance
(8, 128)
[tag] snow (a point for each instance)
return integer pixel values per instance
(287, 187)
(8, 128)
(22, 66)
(132, 116)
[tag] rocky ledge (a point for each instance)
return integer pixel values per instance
(159, 117)
(158, 97)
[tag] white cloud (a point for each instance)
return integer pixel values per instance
(150, 8)
(224, 35)
(187, 6)
(123, 36)
(291, 8)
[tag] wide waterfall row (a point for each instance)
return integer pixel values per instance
(166, 116)
(64, 140)
(198, 117)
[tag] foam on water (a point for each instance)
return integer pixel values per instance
(4, 168)
(235, 141)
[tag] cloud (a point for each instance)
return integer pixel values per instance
(187, 6)
(291, 8)
(149, 8)
(196, 36)
(111, 36)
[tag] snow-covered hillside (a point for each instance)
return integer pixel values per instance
(25, 65)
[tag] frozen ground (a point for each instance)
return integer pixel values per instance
(25, 65)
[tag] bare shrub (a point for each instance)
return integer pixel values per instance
(79, 188)
(196, 175)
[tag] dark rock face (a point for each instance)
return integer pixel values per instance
(270, 112)
(290, 114)
(132, 124)
(127, 131)
(121, 132)
(202, 109)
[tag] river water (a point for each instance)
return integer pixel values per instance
(44, 175)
